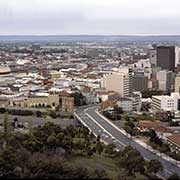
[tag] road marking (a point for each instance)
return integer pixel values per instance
(167, 171)
(102, 127)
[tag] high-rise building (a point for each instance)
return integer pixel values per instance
(140, 82)
(165, 80)
(166, 57)
(177, 83)
(120, 82)
(177, 56)
(153, 57)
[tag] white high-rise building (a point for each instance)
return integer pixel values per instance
(177, 56)
(164, 79)
(119, 81)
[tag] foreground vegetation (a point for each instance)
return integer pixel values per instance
(52, 152)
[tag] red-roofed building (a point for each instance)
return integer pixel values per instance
(107, 104)
(106, 95)
(174, 142)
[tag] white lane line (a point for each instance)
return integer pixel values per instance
(88, 127)
(102, 127)
(96, 111)
(169, 172)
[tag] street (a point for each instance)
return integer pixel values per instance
(110, 134)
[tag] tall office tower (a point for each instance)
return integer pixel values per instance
(140, 82)
(153, 57)
(177, 83)
(119, 81)
(165, 80)
(166, 57)
(177, 56)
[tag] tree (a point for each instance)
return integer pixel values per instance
(99, 173)
(127, 118)
(6, 129)
(118, 110)
(99, 147)
(53, 114)
(130, 160)
(38, 113)
(7, 160)
(174, 176)
(98, 138)
(110, 149)
(154, 138)
(154, 166)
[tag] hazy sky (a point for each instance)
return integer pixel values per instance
(118, 17)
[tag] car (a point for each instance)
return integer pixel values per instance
(106, 136)
(113, 138)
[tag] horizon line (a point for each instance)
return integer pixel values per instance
(89, 35)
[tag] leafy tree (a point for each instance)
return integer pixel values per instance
(6, 129)
(2, 110)
(174, 176)
(7, 160)
(99, 173)
(98, 138)
(99, 147)
(118, 110)
(53, 114)
(129, 123)
(38, 113)
(154, 166)
(154, 138)
(130, 158)
(110, 149)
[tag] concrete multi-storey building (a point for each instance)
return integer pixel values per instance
(140, 82)
(165, 103)
(153, 57)
(166, 57)
(126, 104)
(120, 82)
(65, 102)
(177, 83)
(164, 80)
(177, 56)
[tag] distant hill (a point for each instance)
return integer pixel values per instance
(90, 38)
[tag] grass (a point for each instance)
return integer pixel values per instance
(97, 161)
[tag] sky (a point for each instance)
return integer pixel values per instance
(89, 17)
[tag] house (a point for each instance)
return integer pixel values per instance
(163, 132)
(108, 104)
(106, 95)
(145, 126)
(174, 142)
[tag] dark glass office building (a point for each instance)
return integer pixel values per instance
(166, 57)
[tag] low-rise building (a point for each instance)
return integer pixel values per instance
(165, 103)
(145, 126)
(108, 105)
(174, 142)
(125, 103)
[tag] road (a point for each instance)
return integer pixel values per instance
(109, 134)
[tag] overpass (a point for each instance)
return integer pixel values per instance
(109, 133)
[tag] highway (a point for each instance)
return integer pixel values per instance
(110, 134)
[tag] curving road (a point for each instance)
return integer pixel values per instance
(109, 133)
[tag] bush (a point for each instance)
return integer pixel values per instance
(2, 110)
